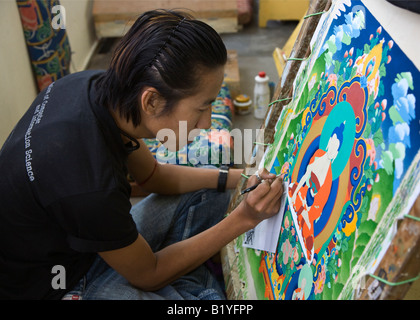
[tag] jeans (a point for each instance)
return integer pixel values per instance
(162, 221)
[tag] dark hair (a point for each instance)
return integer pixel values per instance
(164, 49)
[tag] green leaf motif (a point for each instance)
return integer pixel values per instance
(378, 138)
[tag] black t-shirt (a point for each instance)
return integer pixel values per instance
(63, 190)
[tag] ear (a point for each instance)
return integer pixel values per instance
(151, 101)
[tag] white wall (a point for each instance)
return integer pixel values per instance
(17, 84)
(81, 32)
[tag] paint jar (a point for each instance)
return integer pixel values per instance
(243, 104)
(261, 95)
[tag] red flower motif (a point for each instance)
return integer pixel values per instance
(29, 16)
(44, 81)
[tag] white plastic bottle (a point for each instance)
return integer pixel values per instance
(261, 95)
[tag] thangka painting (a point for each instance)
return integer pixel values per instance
(348, 145)
(48, 47)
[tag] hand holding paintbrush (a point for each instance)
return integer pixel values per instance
(262, 197)
(270, 177)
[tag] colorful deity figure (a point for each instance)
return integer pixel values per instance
(310, 194)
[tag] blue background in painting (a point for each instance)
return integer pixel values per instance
(399, 63)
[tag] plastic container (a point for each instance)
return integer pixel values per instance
(243, 104)
(261, 95)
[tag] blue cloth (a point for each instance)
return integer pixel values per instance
(162, 221)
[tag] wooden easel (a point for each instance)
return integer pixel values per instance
(400, 265)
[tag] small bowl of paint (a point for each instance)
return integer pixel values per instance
(242, 104)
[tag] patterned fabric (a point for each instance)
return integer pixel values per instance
(49, 48)
(211, 146)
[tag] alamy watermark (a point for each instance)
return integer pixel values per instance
(59, 280)
(59, 17)
(217, 146)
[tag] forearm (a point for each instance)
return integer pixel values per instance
(175, 179)
(150, 271)
(183, 257)
(154, 177)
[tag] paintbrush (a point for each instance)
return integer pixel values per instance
(254, 186)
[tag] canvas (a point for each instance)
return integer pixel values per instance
(348, 146)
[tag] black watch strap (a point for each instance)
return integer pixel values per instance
(223, 174)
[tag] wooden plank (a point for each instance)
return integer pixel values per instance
(111, 9)
(113, 18)
(280, 55)
(401, 262)
(230, 272)
(118, 28)
(232, 78)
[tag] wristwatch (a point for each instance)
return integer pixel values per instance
(223, 174)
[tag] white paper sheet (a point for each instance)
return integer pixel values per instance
(265, 235)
